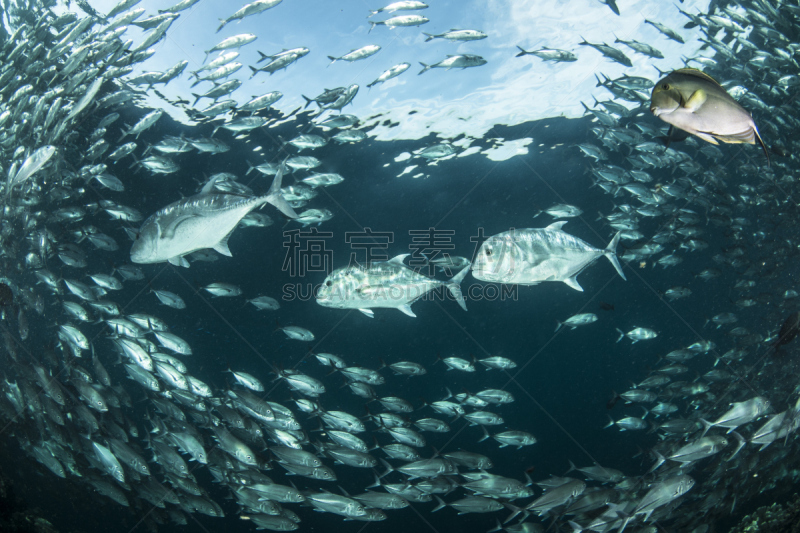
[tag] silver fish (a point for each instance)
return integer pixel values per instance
(252, 8)
(205, 220)
(384, 284)
(530, 256)
(359, 53)
(459, 61)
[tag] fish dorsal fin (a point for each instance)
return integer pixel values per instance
(556, 225)
(209, 186)
(222, 246)
(398, 259)
(405, 308)
(697, 73)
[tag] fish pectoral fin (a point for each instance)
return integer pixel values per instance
(405, 308)
(706, 137)
(178, 260)
(222, 246)
(169, 231)
(573, 282)
(368, 312)
(695, 101)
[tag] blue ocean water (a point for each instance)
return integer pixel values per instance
(563, 380)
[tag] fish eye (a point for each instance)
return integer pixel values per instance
(665, 86)
(328, 283)
(488, 252)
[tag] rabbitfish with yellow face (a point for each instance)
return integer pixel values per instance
(693, 101)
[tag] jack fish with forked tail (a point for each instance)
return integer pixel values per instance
(533, 255)
(205, 220)
(388, 284)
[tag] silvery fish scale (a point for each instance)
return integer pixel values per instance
(531, 256)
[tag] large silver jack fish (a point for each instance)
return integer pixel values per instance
(387, 284)
(205, 220)
(533, 255)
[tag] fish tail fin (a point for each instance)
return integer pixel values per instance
(522, 52)
(250, 168)
(376, 482)
(706, 426)
(611, 253)
(761, 141)
(572, 467)
(515, 512)
(440, 502)
(255, 71)
(372, 25)
(454, 286)
(197, 98)
(388, 467)
(275, 197)
(428, 36)
(425, 69)
(621, 335)
(333, 60)
(221, 24)
(659, 461)
(307, 99)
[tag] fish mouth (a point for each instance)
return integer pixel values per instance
(655, 110)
